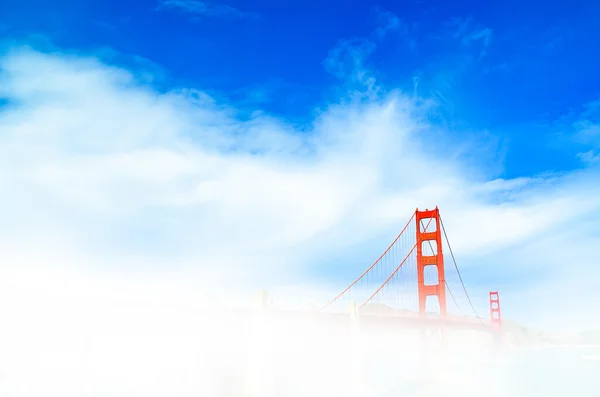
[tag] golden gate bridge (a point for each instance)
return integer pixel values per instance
(403, 295)
(408, 284)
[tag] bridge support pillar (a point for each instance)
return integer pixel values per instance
(497, 340)
(496, 320)
(495, 314)
(429, 239)
(433, 349)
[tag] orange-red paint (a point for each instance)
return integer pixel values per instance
(437, 260)
(495, 315)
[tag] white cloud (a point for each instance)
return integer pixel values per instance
(590, 157)
(103, 176)
(485, 35)
(387, 22)
(587, 127)
(585, 131)
(588, 131)
(347, 59)
(205, 8)
(464, 31)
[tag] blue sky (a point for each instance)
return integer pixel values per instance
(518, 70)
(187, 133)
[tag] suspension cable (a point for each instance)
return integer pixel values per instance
(453, 299)
(395, 271)
(389, 278)
(373, 265)
(458, 271)
(445, 282)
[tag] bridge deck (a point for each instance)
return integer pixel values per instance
(375, 320)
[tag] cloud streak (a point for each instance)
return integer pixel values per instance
(464, 31)
(387, 22)
(583, 129)
(206, 9)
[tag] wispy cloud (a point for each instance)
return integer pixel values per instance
(349, 58)
(586, 131)
(589, 157)
(387, 22)
(464, 30)
(485, 35)
(102, 172)
(207, 9)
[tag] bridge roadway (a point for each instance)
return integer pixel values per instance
(375, 320)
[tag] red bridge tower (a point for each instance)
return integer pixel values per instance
(495, 315)
(430, 234)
